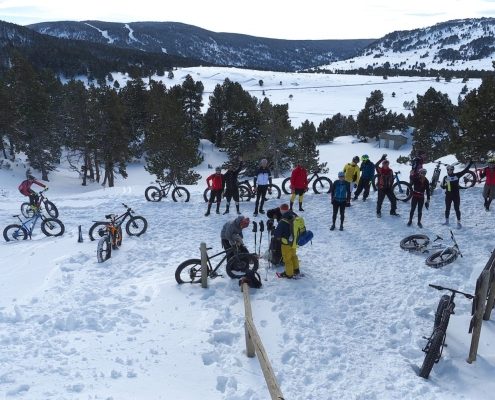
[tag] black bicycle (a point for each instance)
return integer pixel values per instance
(322, 184)
(136, 225)
(179, 193)
(436, 341)
(436, 176)
(238, 263)
(247, 192)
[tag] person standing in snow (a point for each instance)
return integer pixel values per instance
(367, 174)
(298, 185)
(262, 179)
(450, 184)
(489, 188)
(340, 196)
(232, 185)
(420, 185)
(385, 182)
(352, 172)
(216, 184)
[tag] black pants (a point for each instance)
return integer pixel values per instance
(390, 195)
(416, 201)
(226, 246)
(452, 198)
(33, 198)
(215, 194)
(338, 206)
(232, 193)
(364, 184)
(260, 197)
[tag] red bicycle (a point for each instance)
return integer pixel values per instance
(472, 177)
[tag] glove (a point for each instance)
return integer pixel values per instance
(355, 185)
(384, 156)
(269, 191)
(427, 205)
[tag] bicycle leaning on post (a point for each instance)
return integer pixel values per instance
(436, 341)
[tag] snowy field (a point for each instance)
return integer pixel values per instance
(352, 328)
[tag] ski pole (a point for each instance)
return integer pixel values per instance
(262, 228)
(255, 229)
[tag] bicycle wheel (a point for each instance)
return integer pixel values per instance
(26, 210)
(189, 271)
(180, 194)
(374, 182)
(104, 249)
(467, 180)
(51, 209)
(402, 190)
(97, 230)
(442, 304)
(273, 192)
(238, 265)
(206, 195)
(52, 227)
(285, 186)
(136, 226)
(322, 185)
(117, 239)
(245, 193)
(14, 232)
(152, 193)
(432, 351)
(414, 242)
(442, 257)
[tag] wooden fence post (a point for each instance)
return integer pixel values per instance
(480, 298)
(204, 265)
(248, 316)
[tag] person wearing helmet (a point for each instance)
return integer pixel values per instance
(283, 235)
(352, 172)
(262, 179)
(385, 182)
(489, 188)
(232, 186)
(340, 195)
(417, 163)
(450, 184)
(216, 184)
(367, 174)
(231, 235)
(25, 189)
(420, 185)
(298, 185)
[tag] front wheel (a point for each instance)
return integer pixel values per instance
(97, 230)
(286, 186)
(189, 271)
(245, 193)
(180, 194)
(14, 232)
(239, 264)
(51, 209)
(402, 190)
(26, 210)
(206, 195)
(442, 257)
(136, 226)
(152, 193)
(432, 353)
(414, 242)
(467, 180)
(322, 185)
(104, 249)
(442, 305)
(52, 227)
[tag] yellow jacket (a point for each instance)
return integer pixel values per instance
(352, 173)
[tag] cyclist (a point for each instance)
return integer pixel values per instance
(216, 183)
(231, 234)
(451, 185)
(298, 184)
(420, 185)
(262, 179)
(232, 186)
(367, 174)
(352, 172)
(385, 182)
(25, 189)
(489, 188)
(340, 195)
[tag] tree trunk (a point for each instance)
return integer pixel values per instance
(44, 174)
(97, 168)
(3, 148)
(12, 152)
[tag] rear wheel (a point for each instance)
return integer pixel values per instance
(14, 232)
(52, 227)
(432, 351)
(26, 210)
(97, 230)
(152, 193)
(273, 192)
(180, 194)
(104, 249)
(238, 265)
(286, 186)
(467, 180)
(322, 185)
(136, 226)
(374, 182)
(442, 257)
(189, 271)
(402, 190)
(442, 304)
(206, 195)
(51, 209)
(245, 193)
(414, 242)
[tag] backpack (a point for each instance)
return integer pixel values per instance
(24, 187)
(299, 234)
(252, 278)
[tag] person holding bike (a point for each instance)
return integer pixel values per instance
(25, 189)
(417, 164)
(298, 185)
(340, 196)
(283, 234)
(232, 186)
(385, 182)
(231, 234)
(352, 172)
(262, 179)
(216, 183)
(367, 174)
(450, 184)
(489, 188)
(420, 185)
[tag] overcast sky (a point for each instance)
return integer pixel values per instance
(282, 19)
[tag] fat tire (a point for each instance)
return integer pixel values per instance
(442, 257)
(133, 226)
(17, 233)
(407, 191)
(241, 263)
(189, 271)
(95, 229)
(374, 182)
(275, 190)
(245, 194)
(433, 354)
(414, 242)
(52, 227)
(26, 210)
(206, 195)
(51, 209)
(152, 193)
(180, 194)
(104, 249)
(467, 180)
(285, 186)
(320, 185)
(442, 304)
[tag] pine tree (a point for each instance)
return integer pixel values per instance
(305, 152)
(372, 119)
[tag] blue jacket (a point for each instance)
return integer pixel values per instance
(341, 191)
(282, 231)
(367, 170)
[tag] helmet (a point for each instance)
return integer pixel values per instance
(355, 159)
(218, 169)
(284, 207)
(341, 174)
(29, 176)
(264, 161)
(422, 171)
(245, 222)
(364, 157)
(385, 162)
(450, 167)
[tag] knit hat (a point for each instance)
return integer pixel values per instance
(284, 207)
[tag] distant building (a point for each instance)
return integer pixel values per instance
(393, 139)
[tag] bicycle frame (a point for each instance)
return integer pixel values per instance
(30, 223)
(166, 186)
(213, 273)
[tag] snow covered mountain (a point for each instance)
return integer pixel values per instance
(454, 45)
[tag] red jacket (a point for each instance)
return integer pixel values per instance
(490, 175)
(299, 178)
(215, 182)
(25, 186)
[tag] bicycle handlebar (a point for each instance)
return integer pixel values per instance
(467, 295)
